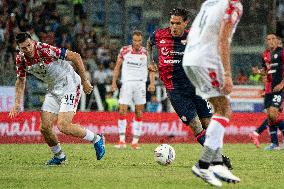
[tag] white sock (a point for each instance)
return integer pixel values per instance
(89, 135)
(136, 130)
(57, 151)
(98, 137)
(122, 129)
(215, 132)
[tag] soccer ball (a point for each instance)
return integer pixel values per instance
(164, 154)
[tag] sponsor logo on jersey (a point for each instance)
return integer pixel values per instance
(162, 41)
(166, 52)
(172, 61)
(275, 56)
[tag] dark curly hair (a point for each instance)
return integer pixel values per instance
(22, 36)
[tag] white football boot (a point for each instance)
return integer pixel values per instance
(207, 175)
(223, 173)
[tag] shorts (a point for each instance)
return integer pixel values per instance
(273, 100)
(207, 81)
(133, 92)
(188, 105)
(65, 95)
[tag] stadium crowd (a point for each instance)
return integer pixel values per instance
(73, 31)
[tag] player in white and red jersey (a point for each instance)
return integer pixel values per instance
(207, 64)
(50, 64)
(134, 73)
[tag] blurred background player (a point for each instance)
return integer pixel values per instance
(134, 72)
(271, 99)
(207, 64)
(50, 64)
(194, 111)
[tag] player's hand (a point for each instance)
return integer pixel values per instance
(151, 88)
(15, 110)
(87, 87)
(152, 67)
(227, 86)
(278, 87)
(113, 87)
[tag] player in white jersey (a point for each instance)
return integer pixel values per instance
(207, 64)
(50, 64)
(133, 59)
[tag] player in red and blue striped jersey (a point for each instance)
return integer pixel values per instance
(170, 42)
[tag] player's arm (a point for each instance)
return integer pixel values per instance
(151, 87)
(116, 73)
(20, 88)
(151, 64)
(225, 51)
(78, 62)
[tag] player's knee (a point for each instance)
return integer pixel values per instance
(45, 129)
(272, 117)
(138, 114)
(63, 126)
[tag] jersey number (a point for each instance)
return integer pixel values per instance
(69, 99)
(276, 98)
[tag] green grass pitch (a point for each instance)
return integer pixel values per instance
(22, 166)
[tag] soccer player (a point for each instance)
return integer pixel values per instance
(207, 64)
(50, 64)
(273, 68)
(170, 42)
(134, 72)
(272, 42)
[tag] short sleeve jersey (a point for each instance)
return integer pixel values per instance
(134, 66)
(48, 63)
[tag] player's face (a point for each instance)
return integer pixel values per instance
(136, 41)
(271, 41)
(27, 47)
(177, 25)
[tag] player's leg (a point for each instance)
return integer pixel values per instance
(48, 117)
(204, 111)
(47, 121)
(203, 79)
(273, 122)
(255, 134)
(122, 123)
(125, 97)
(185, 108)
(139, 99)
(137, 126)
(68, 106)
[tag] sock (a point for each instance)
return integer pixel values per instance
(273, 134)
(136, 130)
(201, 137)
(90, 136)
(215, 132)
(206, 157)
(218, 159)
(57, 151)
(262, 127)
(122, 128)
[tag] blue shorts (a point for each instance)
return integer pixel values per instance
(188, 105)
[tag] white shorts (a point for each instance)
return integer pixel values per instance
(65, 95)
(133, 92)
(208, 81)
